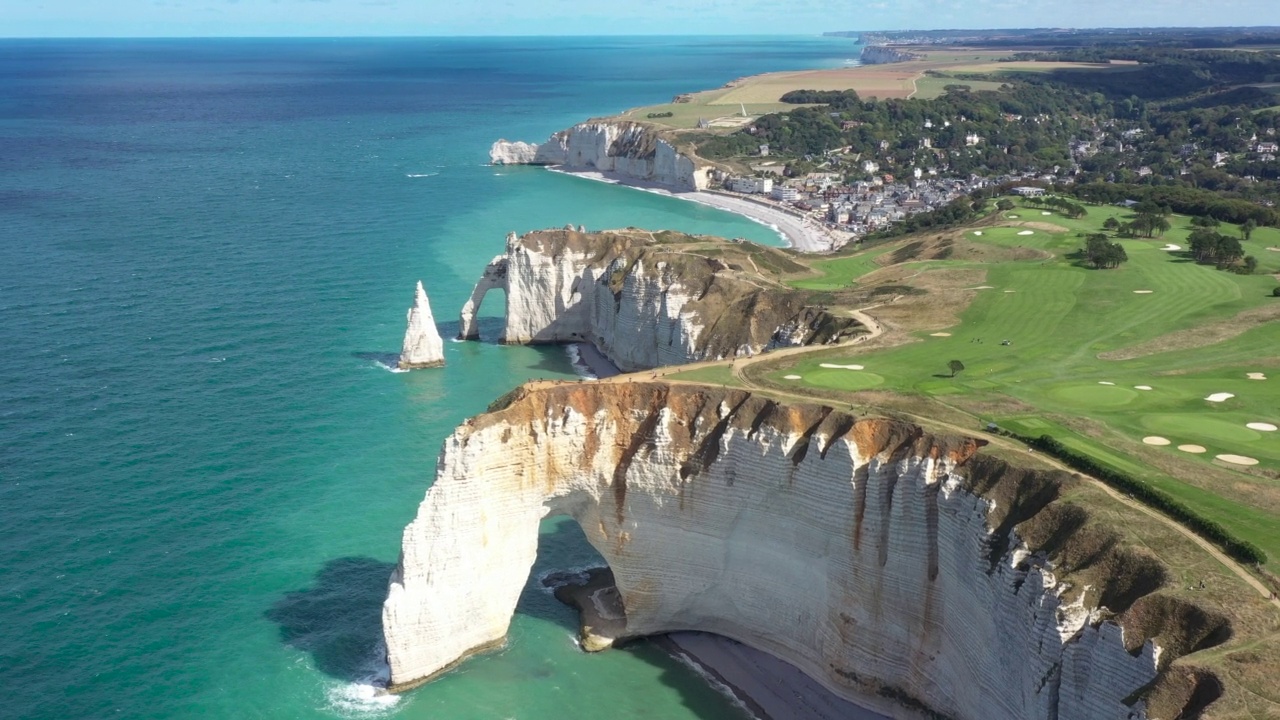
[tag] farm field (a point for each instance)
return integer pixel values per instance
(1156, 368)
(759, 94)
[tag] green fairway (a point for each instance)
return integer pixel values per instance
(1063, 321)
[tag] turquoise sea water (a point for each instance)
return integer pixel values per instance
(205, 249)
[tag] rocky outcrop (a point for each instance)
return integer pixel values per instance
(625, 149)
(422, 345)
(645, 300)
(882, 55)
(894, 567)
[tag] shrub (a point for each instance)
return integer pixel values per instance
(1210, 530)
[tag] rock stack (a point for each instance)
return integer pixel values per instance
(422, 345)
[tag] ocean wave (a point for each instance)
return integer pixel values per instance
(421, 175)
(389, 368)
(580, 367)
(366, 697)
(682, 656)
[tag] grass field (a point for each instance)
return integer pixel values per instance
(759, 94)
(1059, 317)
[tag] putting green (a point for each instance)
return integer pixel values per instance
(843, 379)
(1093, 395)
(1197, 428)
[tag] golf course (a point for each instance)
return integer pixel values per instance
(1163, 369)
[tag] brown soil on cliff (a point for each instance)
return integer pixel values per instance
(1216, 645)
(739, 298)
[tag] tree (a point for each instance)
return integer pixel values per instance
(1247, 228)
(955, 366)
(1004, 205)
(1276, 292)
(1111, 224)
(1250, 265)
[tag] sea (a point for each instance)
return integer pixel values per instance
(207, 250)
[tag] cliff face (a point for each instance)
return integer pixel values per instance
(627, 149)
(882, 562)
(643, 302)
(881, 55)
(422, 346)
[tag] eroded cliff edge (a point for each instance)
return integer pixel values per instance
(651, 299)
(630, 150)
(886, 563)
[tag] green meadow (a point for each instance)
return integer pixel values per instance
(1065, 325)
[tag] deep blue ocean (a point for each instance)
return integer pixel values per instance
(206, 248)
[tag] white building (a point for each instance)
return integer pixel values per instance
(1028, 191)
(751, 186)
(784, 193)
(972, 139)
(870, 166)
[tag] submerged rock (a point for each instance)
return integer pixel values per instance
(423, 347)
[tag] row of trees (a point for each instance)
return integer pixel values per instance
(1212, 531)
(1061, 204)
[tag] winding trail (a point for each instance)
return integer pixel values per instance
(874, 330)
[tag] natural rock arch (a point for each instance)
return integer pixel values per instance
(494, 276)
(854, 549)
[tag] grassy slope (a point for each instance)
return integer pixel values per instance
(1060, 316)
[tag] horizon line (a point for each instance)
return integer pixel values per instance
(824, 33)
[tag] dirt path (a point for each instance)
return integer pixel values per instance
(874, 330)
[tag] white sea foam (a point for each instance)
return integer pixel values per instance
(580, 367)
(421, 175)
(366, 697)
(682, 656)
(389, 368)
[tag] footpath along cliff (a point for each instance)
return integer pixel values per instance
(631, 151)
(649, 299)
(907, 572)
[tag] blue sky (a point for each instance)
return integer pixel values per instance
(127, 18)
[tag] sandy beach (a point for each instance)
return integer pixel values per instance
(771, 689)
(799, 232)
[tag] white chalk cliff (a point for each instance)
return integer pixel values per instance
(422, 347)
(643, 302)
(626, 149)
(905, 572)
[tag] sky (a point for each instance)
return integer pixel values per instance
(187, 18)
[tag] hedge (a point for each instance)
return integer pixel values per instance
(1210, 530)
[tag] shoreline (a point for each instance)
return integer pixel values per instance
(798, 232)
(766, 686)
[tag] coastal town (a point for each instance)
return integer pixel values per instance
(850, 211)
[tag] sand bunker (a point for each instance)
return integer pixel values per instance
(940, 335)
(1193, 449)
(977, 232)
(1027, 232)
(1257, 376)
(1238, 459)
(1143, 292)
(833, 366)
(1262, 427)
(791, 377)
(1219, 397)
(1156, 440)
(1046, 212)
(1171, 247)
(1012, 217)
(1104, 382)
(1274, 249)
(983, 287)
(1142, 387)
(1009, 291)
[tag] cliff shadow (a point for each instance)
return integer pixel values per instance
(338, 619)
